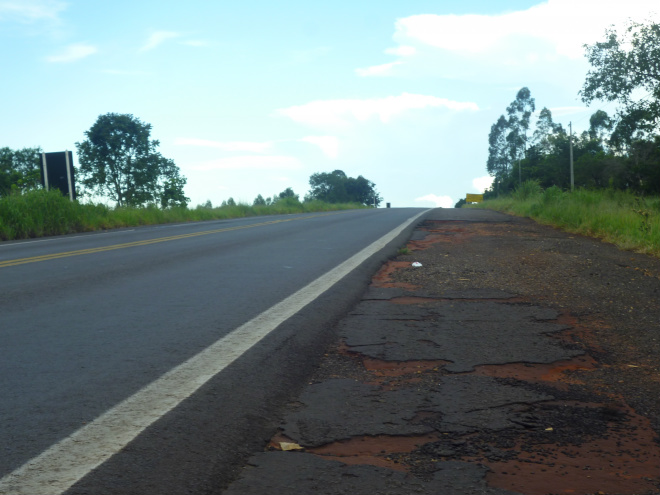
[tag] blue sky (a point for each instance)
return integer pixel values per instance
(253, 97)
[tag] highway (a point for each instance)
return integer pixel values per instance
(155, 359)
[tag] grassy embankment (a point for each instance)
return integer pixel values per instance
(631, 222)
(41, 213)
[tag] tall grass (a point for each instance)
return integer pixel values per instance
(40, 213)
(631, 222)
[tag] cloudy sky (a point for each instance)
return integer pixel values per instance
(253, 97)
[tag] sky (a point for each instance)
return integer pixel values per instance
(253, 97)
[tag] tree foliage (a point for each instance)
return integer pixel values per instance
(619, 152)
(19, 170)
(337, 187)
(508, 136)
(119, 160)
(520, 112)
(626, 69)
(596, 165)
(499, 158)
(288, 193)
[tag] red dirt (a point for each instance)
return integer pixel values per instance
(626, 461)
(556, 373)
(429, 300)
(396, 368)
(383, 277)
(374, 450)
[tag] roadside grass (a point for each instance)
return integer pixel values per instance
(619, 217)
(41, 213)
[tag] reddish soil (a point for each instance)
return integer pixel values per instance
(383, 277)
(374, 451)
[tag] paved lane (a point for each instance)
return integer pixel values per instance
(89, 320)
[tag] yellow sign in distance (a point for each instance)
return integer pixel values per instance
(474, 198)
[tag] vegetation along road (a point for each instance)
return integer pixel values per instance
(156, 343)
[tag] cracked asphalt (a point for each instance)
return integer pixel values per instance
(517, 359)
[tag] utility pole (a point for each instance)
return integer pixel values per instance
(570, 140)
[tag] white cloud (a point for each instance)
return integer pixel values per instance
(482, 183)
(251, 146)
(387, 69)
(561, 27)
(329, 144)
(73, 52)
(157, 38)
(343, 112)
(378, 70)
(542, 43)
(29, 11)
(437, 201)
(251, 162)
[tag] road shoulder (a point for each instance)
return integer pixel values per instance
(516, 359)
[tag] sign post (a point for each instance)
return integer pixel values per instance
(57, 172)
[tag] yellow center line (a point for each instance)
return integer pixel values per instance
(66, 254)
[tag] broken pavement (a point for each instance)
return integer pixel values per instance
(516, 359)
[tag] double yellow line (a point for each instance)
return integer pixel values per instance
(66, 254)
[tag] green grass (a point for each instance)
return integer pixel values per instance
(618, 217)
(41, 213)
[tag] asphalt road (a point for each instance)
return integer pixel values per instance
(88, 321)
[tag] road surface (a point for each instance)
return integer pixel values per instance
(126, 341)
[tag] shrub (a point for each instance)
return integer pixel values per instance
(527, 190)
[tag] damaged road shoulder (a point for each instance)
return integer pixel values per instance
(470, 375)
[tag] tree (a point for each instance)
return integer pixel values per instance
(545, 129)
(623, 66)
(337, 187)
(288, 193)
(328, 187)
(508, 137)
(119, 160)
(19, 170)
(520, 112)
(499, 158)
(171, 186)
(259, 201)
(600, 125)
(361, 190)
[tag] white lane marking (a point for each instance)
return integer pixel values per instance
(63, 464)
